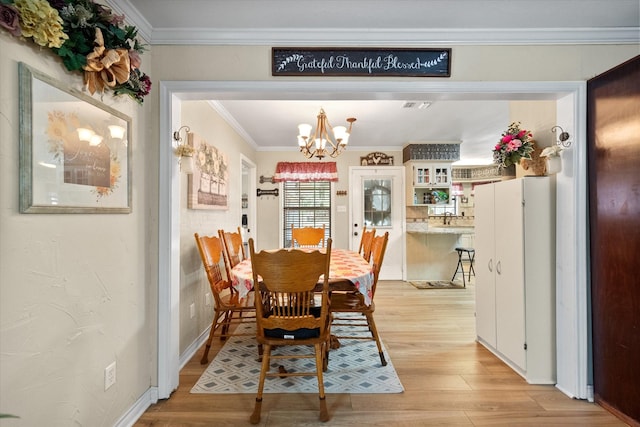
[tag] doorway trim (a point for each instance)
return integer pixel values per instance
(252, 212)
(571, 196)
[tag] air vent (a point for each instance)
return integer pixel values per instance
(421, 105)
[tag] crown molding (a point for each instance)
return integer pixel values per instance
(231, 121)
(394, 37)
(133, 17)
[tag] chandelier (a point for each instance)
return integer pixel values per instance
(322, 143)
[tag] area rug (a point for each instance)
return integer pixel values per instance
(353, 368)
(436, 284)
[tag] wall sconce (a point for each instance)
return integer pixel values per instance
(552, 154)
(563, 138)
(184, 151)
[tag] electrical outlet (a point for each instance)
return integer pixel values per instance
(207, 299)
(192, 309)
(109, 375)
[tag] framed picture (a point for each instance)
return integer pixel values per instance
(75, 152)
(208, 184)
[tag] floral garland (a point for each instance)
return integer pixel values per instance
(514, 145)
(87, 36)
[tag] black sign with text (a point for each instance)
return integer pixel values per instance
(289, 61)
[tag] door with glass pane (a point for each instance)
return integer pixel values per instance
(377, 201)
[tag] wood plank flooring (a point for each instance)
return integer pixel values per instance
(449, 379)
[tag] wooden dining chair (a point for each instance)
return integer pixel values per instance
(233, 246)
(365, 242)
(353, 302)
(307, 237)
(228, 308)
(286, 315)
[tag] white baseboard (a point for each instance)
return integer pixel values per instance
(151, 395)
(193, 348)
(139, 407)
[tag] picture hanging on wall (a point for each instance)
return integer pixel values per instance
(207, 186)
(75, 152)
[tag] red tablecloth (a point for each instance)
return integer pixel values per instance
(344, 265)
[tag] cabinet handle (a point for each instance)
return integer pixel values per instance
(499, 268)
(490, 265)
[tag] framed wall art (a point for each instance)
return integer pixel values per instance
(75, 152)
(208, 184)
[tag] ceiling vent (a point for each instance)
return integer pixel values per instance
(421, 105)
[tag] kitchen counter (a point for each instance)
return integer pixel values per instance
(424, 227)
(431, 247)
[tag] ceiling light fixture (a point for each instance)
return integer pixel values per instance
(321, 142)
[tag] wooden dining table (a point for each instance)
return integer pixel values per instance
(348, 271)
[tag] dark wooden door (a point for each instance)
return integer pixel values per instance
(613, 117)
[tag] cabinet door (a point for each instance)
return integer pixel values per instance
(441, 175)
(431, 174)
(485, 264)
(509, 253)
(421, 175)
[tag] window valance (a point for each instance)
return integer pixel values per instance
(306, 171)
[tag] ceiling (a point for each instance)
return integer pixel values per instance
(388, 123)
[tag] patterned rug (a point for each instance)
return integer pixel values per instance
(436, 284)
(353, 368)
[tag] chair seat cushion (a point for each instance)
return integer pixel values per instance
(298, 334)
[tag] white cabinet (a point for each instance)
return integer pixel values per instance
(431, 174)
(515, 274)
(430, 182)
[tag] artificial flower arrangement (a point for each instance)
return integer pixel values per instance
(514, 145)
(88, 37)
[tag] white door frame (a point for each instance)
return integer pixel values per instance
(571, 224)
(252, 211)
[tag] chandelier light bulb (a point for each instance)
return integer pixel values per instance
(340, 133)
(304, 130)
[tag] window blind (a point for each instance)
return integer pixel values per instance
(306, 204)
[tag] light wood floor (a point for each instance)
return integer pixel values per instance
(449, 379)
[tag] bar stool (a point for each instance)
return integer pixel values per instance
(471, 254)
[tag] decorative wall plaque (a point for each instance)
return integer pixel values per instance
(376, 159)
(294, 61)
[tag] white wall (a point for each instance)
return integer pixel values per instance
(76, 290)
(203, 120)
